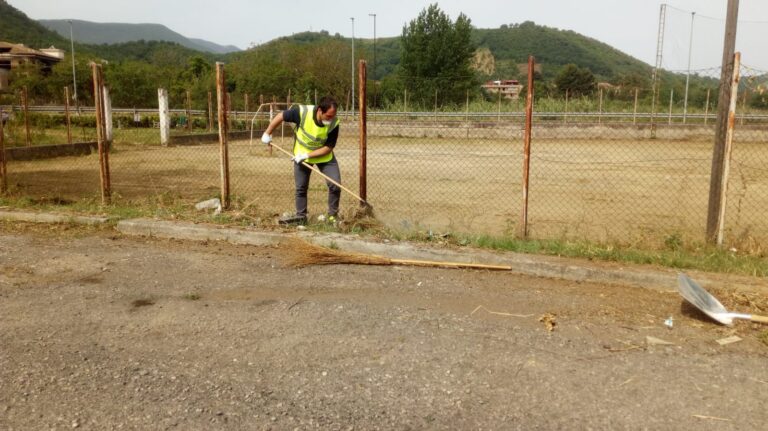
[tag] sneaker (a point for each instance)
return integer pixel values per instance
(328, 219)
(292, 219)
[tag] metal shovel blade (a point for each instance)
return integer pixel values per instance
(703, 300)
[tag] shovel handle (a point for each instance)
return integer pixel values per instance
(759, 319)
(322, 174)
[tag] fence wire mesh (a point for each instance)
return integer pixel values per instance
(620, 165)
(41, 164)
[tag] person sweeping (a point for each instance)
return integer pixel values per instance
(316, 132)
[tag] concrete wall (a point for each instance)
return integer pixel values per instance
(50, 151)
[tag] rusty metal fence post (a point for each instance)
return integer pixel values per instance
(3, 172)
(25, 106)
(221, 97)
(527, 149)
(101, 132)
(66, 114)
(362, 77)
(210, 112)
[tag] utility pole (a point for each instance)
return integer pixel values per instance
(353, 66)
(688, 74)
(74, 75)
(717, 182)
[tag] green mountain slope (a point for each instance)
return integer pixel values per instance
(15, 27)
(113, 33)
(553, 49)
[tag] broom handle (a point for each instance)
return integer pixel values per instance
(449, 264)
(760, 319)
(321, 174)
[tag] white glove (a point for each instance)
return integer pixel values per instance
(266, 138)
(299, 158)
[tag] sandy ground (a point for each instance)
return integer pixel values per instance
(100, 331)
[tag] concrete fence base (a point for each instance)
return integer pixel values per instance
(50, 151)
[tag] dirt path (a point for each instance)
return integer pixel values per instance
(98, 331)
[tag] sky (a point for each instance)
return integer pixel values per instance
(628, 25)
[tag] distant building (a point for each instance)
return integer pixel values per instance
(15, 55)
(509, 88)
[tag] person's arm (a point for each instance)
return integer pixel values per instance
(274, 123)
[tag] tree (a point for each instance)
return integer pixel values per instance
(436, 55)
(576, 80)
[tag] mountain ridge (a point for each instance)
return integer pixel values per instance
(97, 33)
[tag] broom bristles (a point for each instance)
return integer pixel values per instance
(303, 254)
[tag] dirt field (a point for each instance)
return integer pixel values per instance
(604, 189)
(100, 331)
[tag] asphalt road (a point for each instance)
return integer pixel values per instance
(101, 331)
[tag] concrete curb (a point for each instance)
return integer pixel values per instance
(533, 265)
(35, 217)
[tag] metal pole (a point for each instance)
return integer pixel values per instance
(498, 104)
(744, 106)
(66, 115)
(706, 107)
(210, 111)
(3, 172)
(362, 77)
(466, 111)
(565, 112)
(373, 71)
(435, 105)
(74, 74)
(527, 149)
(353, 66)
(659, 55)
(719, 150)
(688, 74)
(98, 103)
(728, 147)
(221, 97)
(634, 115)
(671, 95)
(25, 105)
(189, 111)
(600, 107)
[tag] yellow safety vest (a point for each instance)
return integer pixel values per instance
(310, 136)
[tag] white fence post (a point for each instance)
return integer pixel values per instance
(107, 114)
(165, 119)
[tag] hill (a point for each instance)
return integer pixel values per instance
(113, 33)
(554, 48)
(16, 27)
(509, 45)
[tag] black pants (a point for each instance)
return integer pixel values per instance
(301, 174)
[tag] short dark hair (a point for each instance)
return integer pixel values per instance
(326, 103)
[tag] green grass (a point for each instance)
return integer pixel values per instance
(695, 256)
(673, 253)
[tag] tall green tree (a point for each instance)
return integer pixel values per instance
(437, 56)
(577, 81)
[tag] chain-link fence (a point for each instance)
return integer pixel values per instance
(619, 165)
(50, 153)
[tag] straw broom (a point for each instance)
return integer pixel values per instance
(304, 254)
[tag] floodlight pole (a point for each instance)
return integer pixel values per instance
(688, 74)
(353, 66)
(373, 75)
(74, 75)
